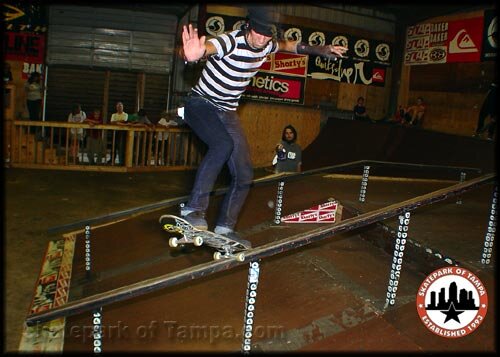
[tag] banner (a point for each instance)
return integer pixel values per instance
(465, 40)
(367, 60)
(346, 70)
(444, 42)
(276, 88)
(490, 37)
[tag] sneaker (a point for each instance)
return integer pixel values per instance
(197, 220)
(237, 238)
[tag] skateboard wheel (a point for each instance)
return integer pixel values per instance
(198, 241)
(240, 257)
(217, 255)
(173, 242)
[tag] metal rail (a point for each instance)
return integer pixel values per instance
(267, 250)
(255, 183)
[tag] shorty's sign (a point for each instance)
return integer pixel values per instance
(286, 63)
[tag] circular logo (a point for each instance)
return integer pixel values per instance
(437, 54)
(362, 47)
(340, 41)
(215, 25)
(383, 51)
(492, 33)
(317, 39)
(293, 34)
(452, 302)
(239, 25)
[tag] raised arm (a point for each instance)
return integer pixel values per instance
(328, 51)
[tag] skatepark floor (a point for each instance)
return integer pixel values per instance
(327, 296)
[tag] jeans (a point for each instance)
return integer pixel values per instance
(226, 141)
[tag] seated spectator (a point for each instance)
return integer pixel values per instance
(139, 118)
(95, 144)
(77, 115)
(359, 110)
(414, 114)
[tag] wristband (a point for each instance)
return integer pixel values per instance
(323, 51)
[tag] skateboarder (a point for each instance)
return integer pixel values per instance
(233, 58)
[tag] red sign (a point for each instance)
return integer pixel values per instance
(26, 47)
(286, 63)
(465, 40)
(274, 87)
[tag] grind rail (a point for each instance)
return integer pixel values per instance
(96, 301)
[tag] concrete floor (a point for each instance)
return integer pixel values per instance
(326, 296)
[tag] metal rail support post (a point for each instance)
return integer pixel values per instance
(251, 295)
(279, 202)
(397, 259)
(364, 183)
(492, 227)
(462, 179)
(97, 330)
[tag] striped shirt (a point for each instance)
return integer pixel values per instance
(227, 73)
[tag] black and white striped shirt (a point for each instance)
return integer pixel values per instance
(227, 73)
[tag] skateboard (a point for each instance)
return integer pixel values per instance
(226, 248)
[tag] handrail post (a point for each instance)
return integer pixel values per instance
(397, 259)
(490, 233)
(364, 183)
(251, 295)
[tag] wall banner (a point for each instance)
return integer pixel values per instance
(444, 42)
(366, 64)
(490, 37)
(465, 40)
(346, 70)
(276, 88)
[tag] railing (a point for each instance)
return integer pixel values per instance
(104, 147)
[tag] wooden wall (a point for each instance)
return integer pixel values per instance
(453, 92)
(263, 124)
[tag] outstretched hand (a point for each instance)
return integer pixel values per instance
(338, 51)
(193, 46)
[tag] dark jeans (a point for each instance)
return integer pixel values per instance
(226, 141)
(34, 107)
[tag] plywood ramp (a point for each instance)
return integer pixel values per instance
(264, 123)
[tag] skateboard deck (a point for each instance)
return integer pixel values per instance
(226, 248)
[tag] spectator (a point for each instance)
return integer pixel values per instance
(7, 73)
(359, 110)
(77, 115)
(95, 144)
(162, 136)
(488, 108)
(414, 115)
(119, 118)
(288, 153)
(140, 118)
(33, 90)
